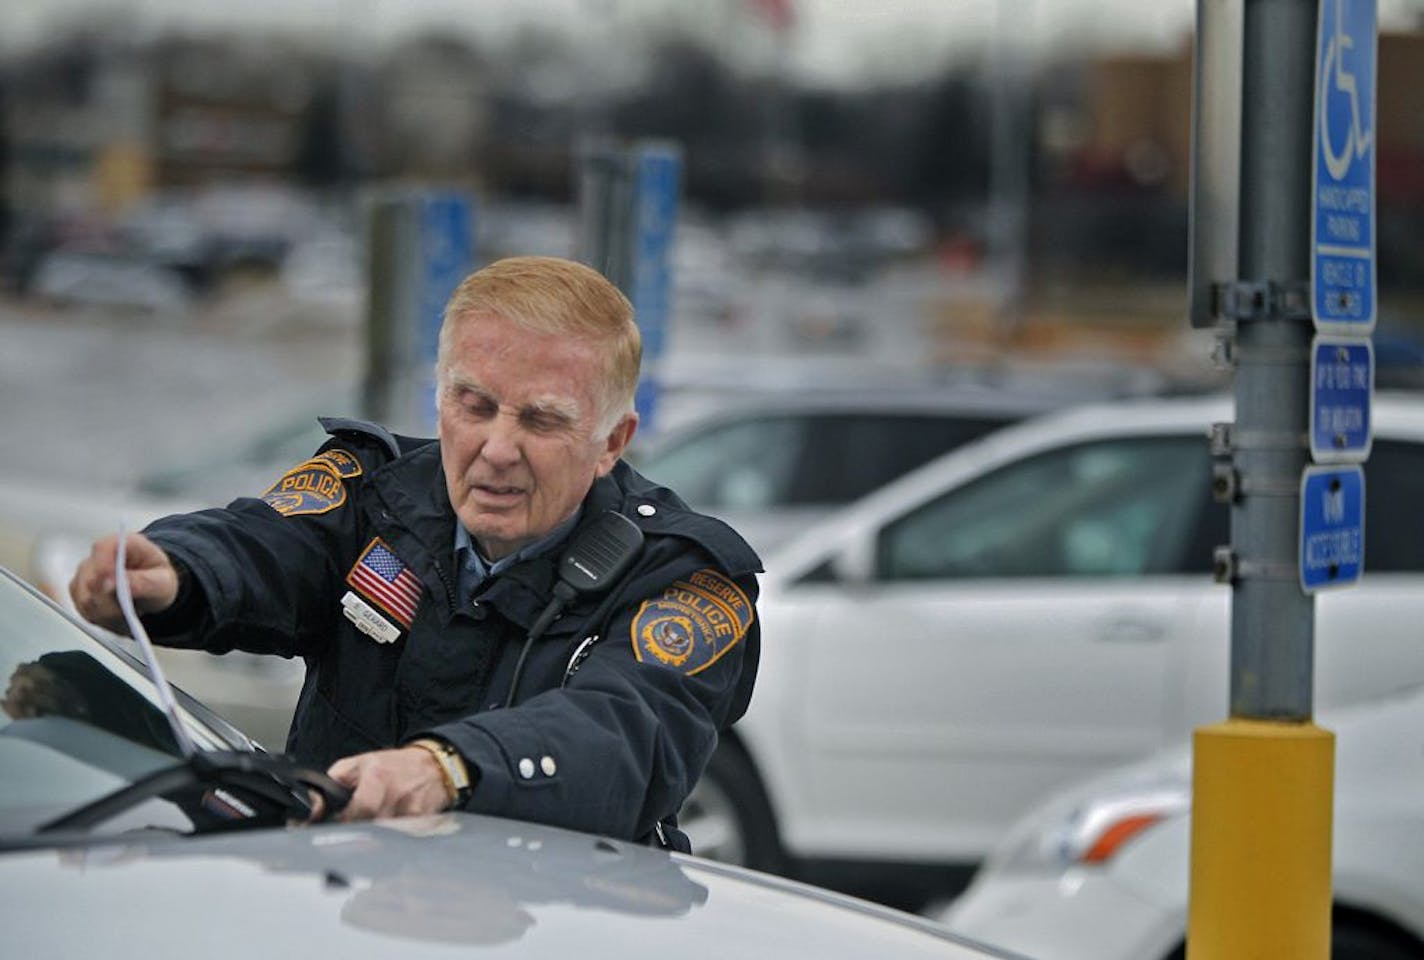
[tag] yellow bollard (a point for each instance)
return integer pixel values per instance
(1262, 800)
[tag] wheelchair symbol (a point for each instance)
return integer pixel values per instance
(1338, 79)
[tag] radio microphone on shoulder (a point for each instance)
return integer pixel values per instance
(600, 553)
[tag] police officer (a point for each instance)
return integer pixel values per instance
(409, 576)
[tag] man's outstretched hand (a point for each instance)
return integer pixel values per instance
(153, 580)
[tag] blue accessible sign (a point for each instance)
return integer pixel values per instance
(656, 190)
(1342, 263)
(1332, 526)
(447, 255)
(657, 187)
(1342, 381)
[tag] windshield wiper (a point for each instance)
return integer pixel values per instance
(277, 783)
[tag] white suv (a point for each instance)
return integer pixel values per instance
(1028, 608)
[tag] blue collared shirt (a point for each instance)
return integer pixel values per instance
(475, 569)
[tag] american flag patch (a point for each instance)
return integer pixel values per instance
(382, 578)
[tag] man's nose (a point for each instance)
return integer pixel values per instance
(501, 447)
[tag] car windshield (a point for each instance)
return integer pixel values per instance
(79, 719)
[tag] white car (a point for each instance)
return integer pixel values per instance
(1101, 871)
(776, 456)
(772, 464)
(1029, 608)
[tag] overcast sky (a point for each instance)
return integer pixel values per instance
(851, 39)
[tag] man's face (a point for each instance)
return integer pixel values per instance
(518, 419)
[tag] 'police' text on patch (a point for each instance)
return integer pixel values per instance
(693, 623)
(309, 488)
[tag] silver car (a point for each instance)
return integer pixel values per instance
(113, 839)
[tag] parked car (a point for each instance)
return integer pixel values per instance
(113, 839)
(772, 460)
(1028, 608)
(1101, 871)
(112, 281)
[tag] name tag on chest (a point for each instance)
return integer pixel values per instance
(367, 620)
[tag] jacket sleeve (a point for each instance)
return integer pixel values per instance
(263, 570)
(622, 744)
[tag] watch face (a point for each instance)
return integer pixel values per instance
(457, 771)
(455, 765)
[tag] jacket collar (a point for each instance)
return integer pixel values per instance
(414, 512)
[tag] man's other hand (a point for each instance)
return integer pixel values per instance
(390, 783)
(153, 581)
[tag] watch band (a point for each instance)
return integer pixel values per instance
(452, 768)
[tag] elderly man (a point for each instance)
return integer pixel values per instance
(409, 575)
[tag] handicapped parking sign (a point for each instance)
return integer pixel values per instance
(1332, 526)
(1342, 266)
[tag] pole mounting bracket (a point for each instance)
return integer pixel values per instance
(1263, 300)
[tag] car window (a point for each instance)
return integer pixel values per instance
(1124, 507)
(77, 721)
(743, 465)
(846, 456)
(805, 459)
(1394, 511)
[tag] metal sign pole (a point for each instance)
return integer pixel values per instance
(605, 190)
(1273, 623)
(1263, 780)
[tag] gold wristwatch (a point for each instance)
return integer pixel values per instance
(452, 768)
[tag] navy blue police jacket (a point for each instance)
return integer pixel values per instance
(619, 704)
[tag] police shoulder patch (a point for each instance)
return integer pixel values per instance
(693, 623)
(308, 488)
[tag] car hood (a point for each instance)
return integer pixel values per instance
(418, 887)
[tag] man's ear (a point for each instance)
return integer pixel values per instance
(618, 439)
